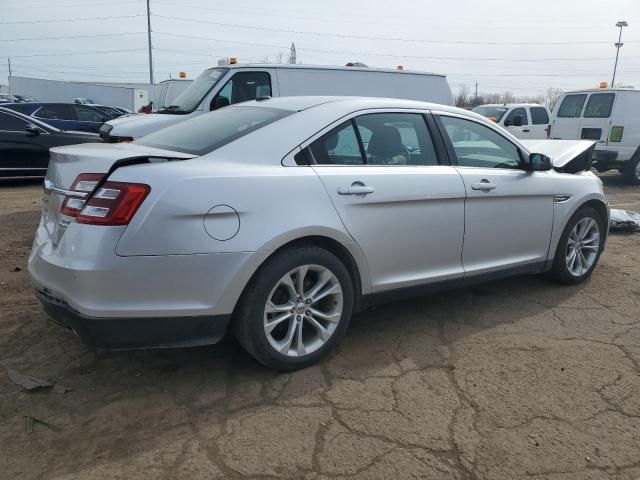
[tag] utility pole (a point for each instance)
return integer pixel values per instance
(9, 79)
(475, 98)
(151, 82)
(292, 54)
(619, 44)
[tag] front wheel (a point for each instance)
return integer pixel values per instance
(579, 247)
(295, 309)
(631, 170)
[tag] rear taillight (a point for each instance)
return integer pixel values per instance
(114, 203)
(548, 130)
(85, 182)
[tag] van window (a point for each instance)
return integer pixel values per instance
(244, 86)
(205, 133)
(191, 97)
(599, 105)
(539, 116)
(571, 106)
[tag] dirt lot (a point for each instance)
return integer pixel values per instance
(518, 378)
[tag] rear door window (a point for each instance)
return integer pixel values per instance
(571, 106)
(339, 146)
(539, 116)
(599, 105)
(90, 114)
(55, 112)
(396, 139)
(9, 123)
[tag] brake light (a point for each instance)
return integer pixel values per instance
(85, 182)
(548, 130)
(114, 203)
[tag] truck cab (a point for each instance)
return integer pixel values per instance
(523, 120)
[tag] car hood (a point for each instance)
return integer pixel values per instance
(570, 156)
(137, 125)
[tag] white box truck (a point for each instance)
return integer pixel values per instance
(225, 85)
(610, 116)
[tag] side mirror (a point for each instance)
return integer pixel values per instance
(517, 121)
(219, 102)
(539, 163)
(31, 130)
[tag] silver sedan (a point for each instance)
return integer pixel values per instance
(279, 218)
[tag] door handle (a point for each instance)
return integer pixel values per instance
(484, 185)
(357, 188)
(527, 130)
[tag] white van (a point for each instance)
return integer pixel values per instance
(225, 85)
(523, 120)
(611, 117)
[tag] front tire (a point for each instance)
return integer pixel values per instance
(295, 309)
(631, 170)
(579, 247)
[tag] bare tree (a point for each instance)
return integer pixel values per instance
(462, 98)
(551, 96)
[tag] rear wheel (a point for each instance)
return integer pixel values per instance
(631, 170)
(579, 247)
(295, 309)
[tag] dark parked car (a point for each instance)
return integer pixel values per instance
(25, 144)
(65, 116)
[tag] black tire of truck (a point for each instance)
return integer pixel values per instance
(631, 169)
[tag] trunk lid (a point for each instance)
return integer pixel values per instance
(66, 163)
(569, 156)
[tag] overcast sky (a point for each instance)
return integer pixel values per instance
(515, 45)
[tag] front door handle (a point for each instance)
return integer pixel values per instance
(484, 185)
(526, 130)
(357, 188)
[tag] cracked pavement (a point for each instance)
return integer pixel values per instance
(519, 378)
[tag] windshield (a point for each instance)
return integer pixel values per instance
(205, 133)
(492, 113)
(189, 100)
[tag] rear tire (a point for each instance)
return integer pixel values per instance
(579, 247)
(631, 170)
(295, 309)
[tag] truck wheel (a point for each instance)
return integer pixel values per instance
(579, 247)
(631, 169)
(296, 308)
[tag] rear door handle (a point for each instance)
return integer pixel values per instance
(484, 185)
(527, 130)
(356, 188)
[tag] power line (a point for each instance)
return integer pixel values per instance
(377, 54)
(69, 20)
(71, 36)
(84, 4)
(387, 39)
(93, 52)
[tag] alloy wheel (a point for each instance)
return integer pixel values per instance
(303, 310)
(582, 246)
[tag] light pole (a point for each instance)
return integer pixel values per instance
(620, 24)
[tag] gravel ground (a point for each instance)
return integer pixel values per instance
(513, 379)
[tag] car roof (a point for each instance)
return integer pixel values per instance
(300, 103)
(596, 90)
(511, 105)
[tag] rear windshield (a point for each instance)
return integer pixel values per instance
(492, 113)
(599, 105)
(207, 132)
(571, 106)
